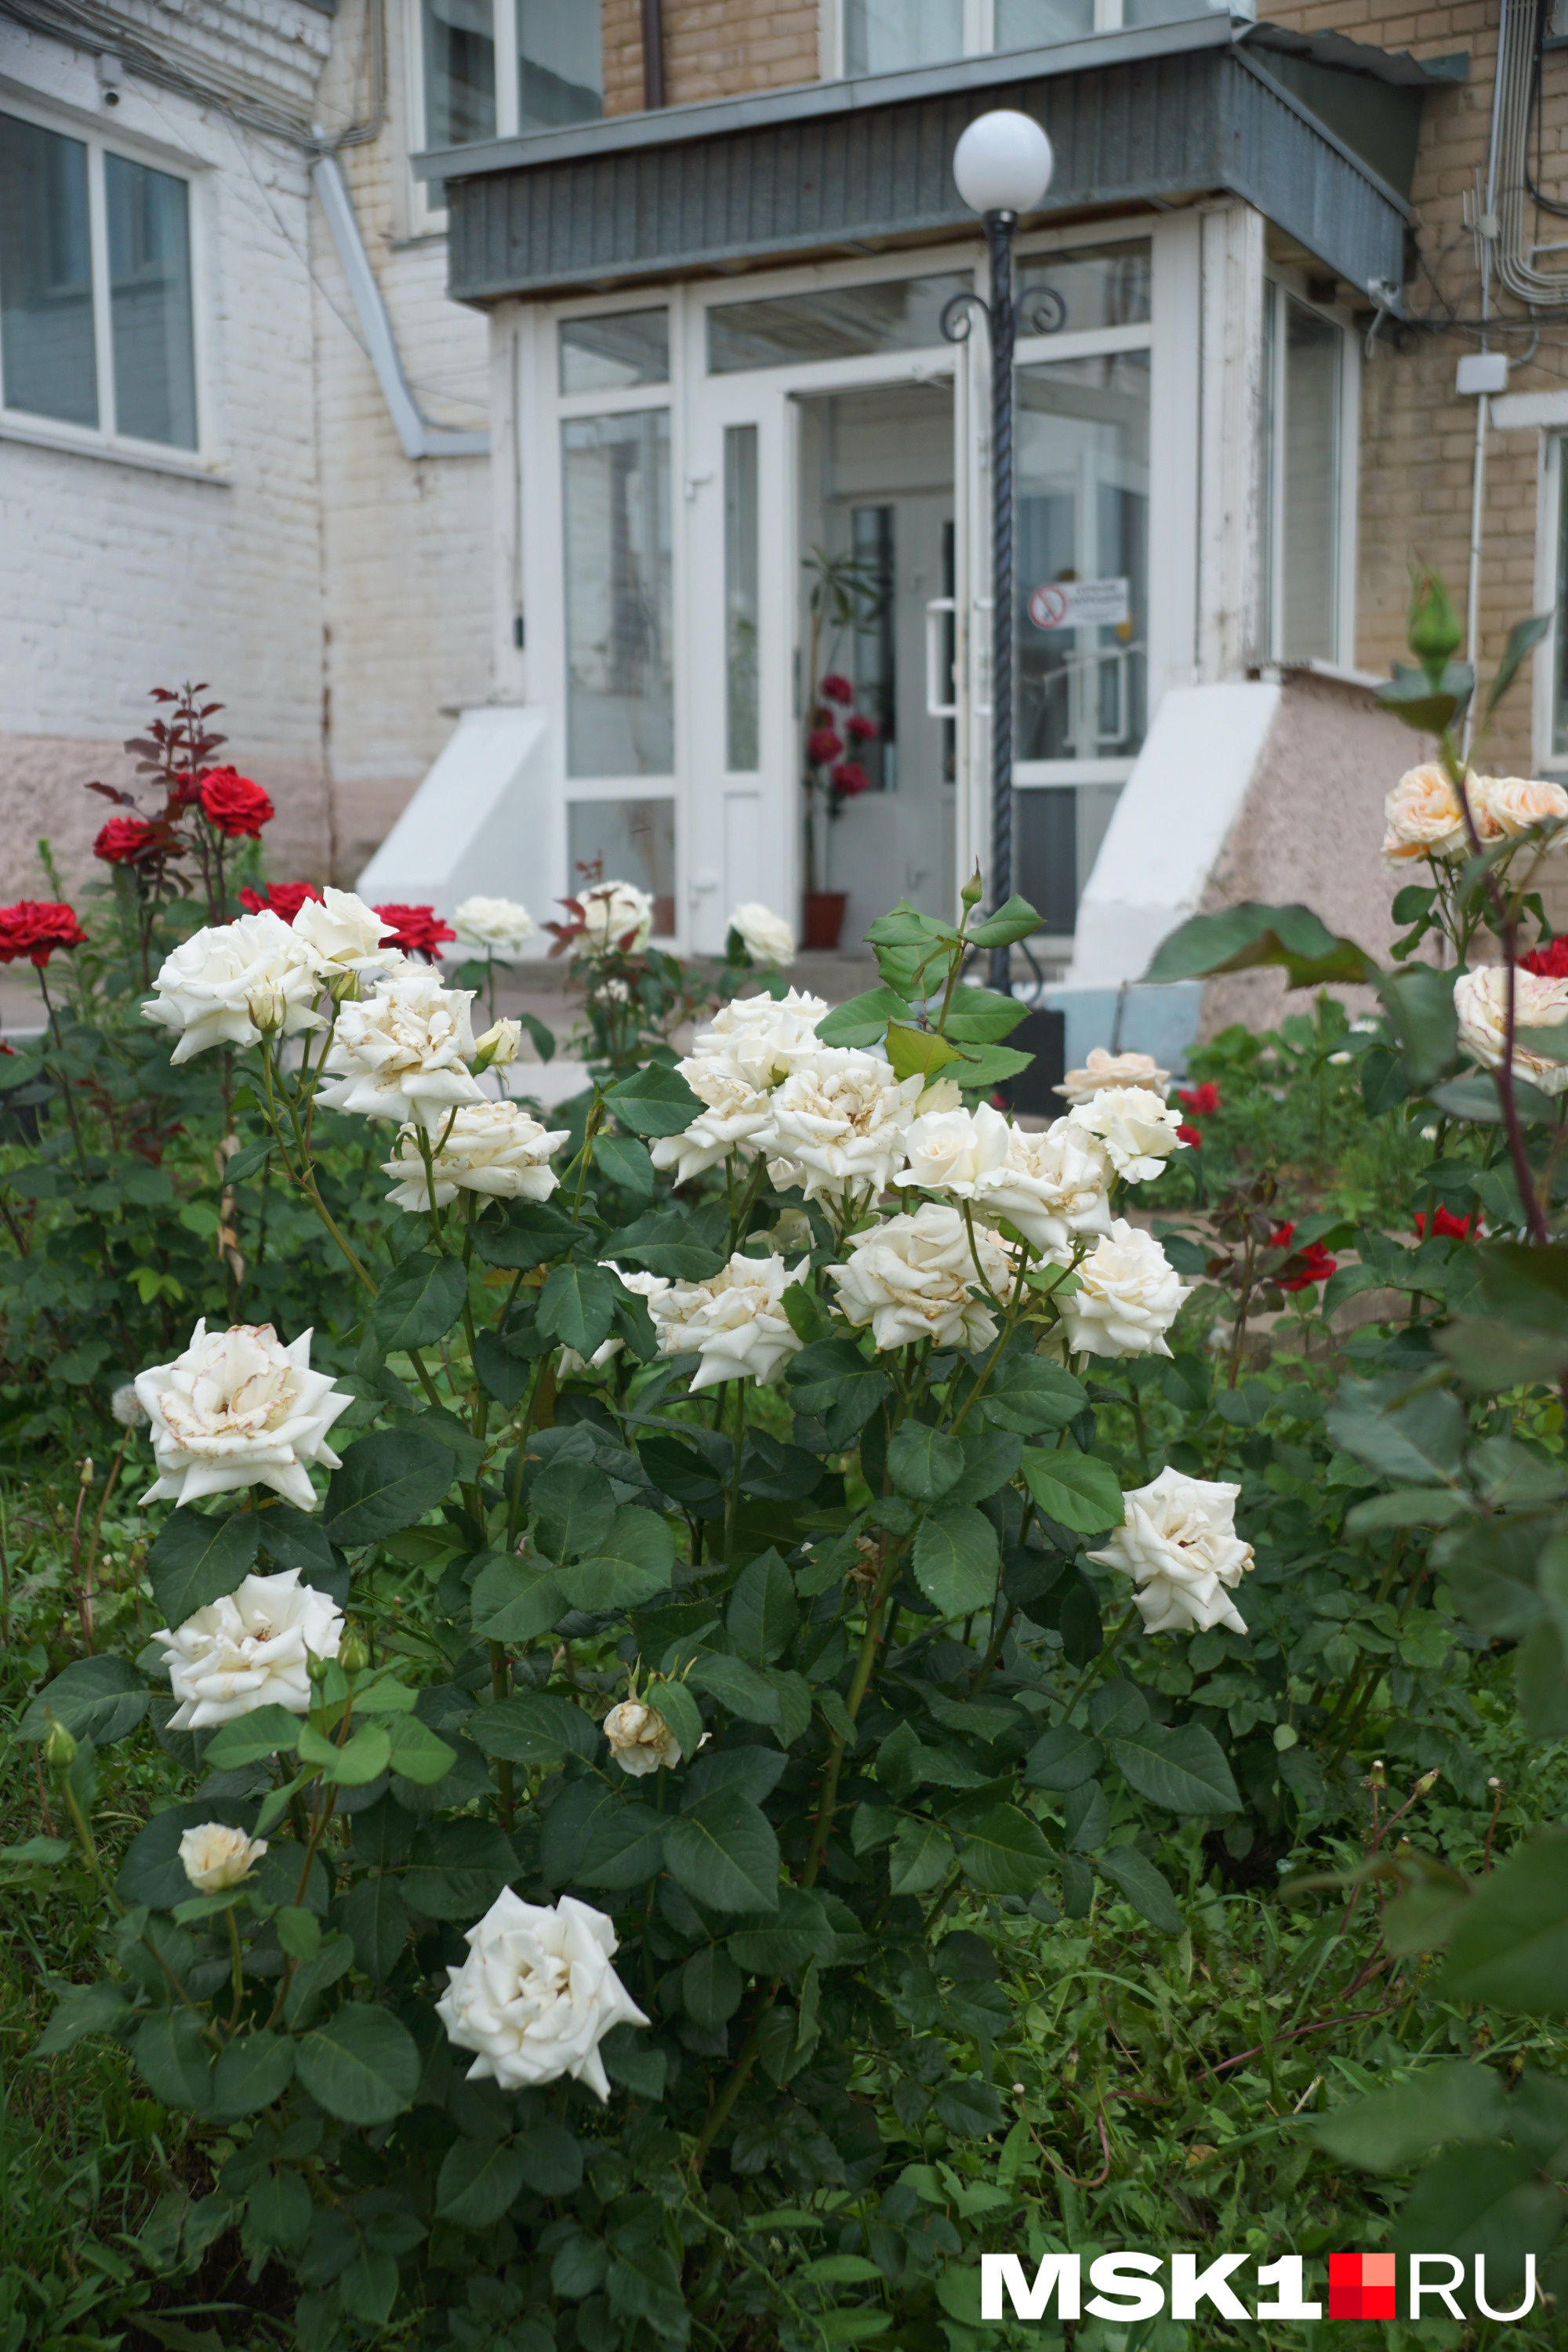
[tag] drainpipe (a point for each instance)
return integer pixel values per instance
(652, 54)
(419, 438)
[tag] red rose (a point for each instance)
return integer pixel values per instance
(1282, 1237)
(823, 745)
(1312, 1264)
(864, 731)
(1187, 1133)
(418, 930)
(1202, 1101)
(34, 928)
(1552, 962)
(835, 688)
(1446, 1226)
(284, 898)
(849, 778)
(125, 841)
(234, 805)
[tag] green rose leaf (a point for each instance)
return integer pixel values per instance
(174, 2061)
(361, 2065)
(552, 2160)
(387, 1481)
(457, 1869)
(1143, 1886)
(477, 2183)
(1510, 1949)
(636, 1560)
(419, 1303)
(1397, 2128)
(417, 1752)
(1182, 1768)
(572, 1508)
(919, 1858)
(1077, 1490)
(923, 1462)
(577, 1306)
(250, 1739)
(738, 1686)
(99, 1699)
(957, 1559)
(85, 2009)
(513, 1601)
(533, 1728)
(251, 2073)
(724, 1853)
(376, 1918)
(198, 1560)
(653, 1101)
(502, 1369)
(364, 1757)
(1062, 1758)
(1004, 1853)
(762, 1616)
(528, 1234)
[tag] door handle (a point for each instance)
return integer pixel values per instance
(935, 707)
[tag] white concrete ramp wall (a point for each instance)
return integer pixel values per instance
(486, 821)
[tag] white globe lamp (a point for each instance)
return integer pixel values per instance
(1003, 162)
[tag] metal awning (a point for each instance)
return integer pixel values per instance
(1158, 117)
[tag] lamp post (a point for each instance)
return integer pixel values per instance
(1002, 166)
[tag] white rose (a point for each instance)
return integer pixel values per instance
(1137, 1129)
(537, 1994)
(840, 1120)
(911, 1279)
(1103, 1069)
(737, 1114)
(1423, 817)
(1051, 1186)
(402, 1052)
(1513, 804)
(1180, 1547)
(617, 917)
(651, 1286)
(493, 1148)
(498, 1046)
(761, 1039)
(497, 925)
(251, 1649)
(1129, 1295)
(735, 1321)
(955, 1150)
(1481, 1001)
(640, 1740)
(345, 934)
(239, 1409)
(213, 1856)
(207, 987)
(766, 937)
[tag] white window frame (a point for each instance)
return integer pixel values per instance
(1549, 586)
(426, 217)
(1278, 284)
(979, 29)
(102, 440)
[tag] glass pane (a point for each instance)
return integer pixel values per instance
(1167, 12)
(1560, 699)
(740, 596)
(1081, 614)
(459, 53)
(1045, 855)
(1094, 286)
(606, 355)
(620, 704)
(872, 657)
(1265, 463)
(625, 841)
(150, 303)
(1021, 23)
(560, 65)
(902, 314)
(1311, 504)
(883, 36)
(45, 275)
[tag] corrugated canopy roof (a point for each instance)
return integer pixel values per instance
(1157, 116)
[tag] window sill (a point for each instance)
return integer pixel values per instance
(41, 436)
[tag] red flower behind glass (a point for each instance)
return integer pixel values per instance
(418, 930)
(836, 688)
(34, 928)
(823, 745)
(862, 730)
(235, 806)
(284, 898)
(1552, 962)
(851, 778)
(127, 841)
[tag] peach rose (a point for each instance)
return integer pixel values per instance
(1425, 820)
(1515, 803)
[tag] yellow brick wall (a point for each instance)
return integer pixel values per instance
(712, 48)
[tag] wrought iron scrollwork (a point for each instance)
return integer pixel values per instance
(958, 315)
(1042, 311)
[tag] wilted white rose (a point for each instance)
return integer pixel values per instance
(1180, 1547)
(910, 1278)
(537, 1994)
(345, 935)
(1102, 1069)
(498, 1046)
(1137, 1129)
(239, 1409)
(494, 1148)
(251, 1649)
(1512, 804)
(212, 986)
(1423, 817)
(735, 1321)
(839, 1121)
(1129, 1295)
(616, 916)
(640, 1740)
(214, 1856)
(1481, 1001)
(402, 1052)
(762, 1039)
(766, 937)
(499, 925)
(651, 1286)
(735, 1114)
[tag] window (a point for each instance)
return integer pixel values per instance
(741, 598)
(831, 322)
(613, 352)
(888, 36)
(96, 324)
(1302, 460)
(1559, 455)
(620, 692)
(488, 69)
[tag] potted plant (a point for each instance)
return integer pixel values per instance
(845, 589)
